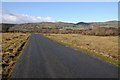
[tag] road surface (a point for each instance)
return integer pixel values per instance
(44, 58)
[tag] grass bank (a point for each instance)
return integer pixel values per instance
(103, 47)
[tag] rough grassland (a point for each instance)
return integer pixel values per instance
(104, 47)
(12, 44)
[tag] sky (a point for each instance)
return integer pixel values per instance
(60, 0)
(20, 12)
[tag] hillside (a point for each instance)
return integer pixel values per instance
(106, 24)
(94, 28)
(4, 27)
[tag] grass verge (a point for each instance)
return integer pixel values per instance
(99, 56)
(11, 54)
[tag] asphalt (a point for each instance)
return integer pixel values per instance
(44, 58)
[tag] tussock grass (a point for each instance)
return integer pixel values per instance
(11, 47)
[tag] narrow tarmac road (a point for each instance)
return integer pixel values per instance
(44, 58)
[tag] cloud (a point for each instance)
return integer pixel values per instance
(12, 17)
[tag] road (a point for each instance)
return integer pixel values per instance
(44, 58)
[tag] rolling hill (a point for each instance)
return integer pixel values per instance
(93, 28)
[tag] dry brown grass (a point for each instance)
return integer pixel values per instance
(12, 40)
(11, 47)
(103, 45)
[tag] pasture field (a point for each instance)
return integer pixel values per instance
(12, 45)
(104, 47)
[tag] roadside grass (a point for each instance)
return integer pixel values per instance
(103, 47)
(12, 44)
(18, 57)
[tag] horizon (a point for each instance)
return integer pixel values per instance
(70, 12)
(57, 22)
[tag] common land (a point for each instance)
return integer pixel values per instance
(12, 46)
(92, 43)
(103, 47)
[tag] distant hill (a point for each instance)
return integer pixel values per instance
(41, 25)
(82, 23)
(63, 27)
(98, 24)
(4, 27)
(106, 24)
